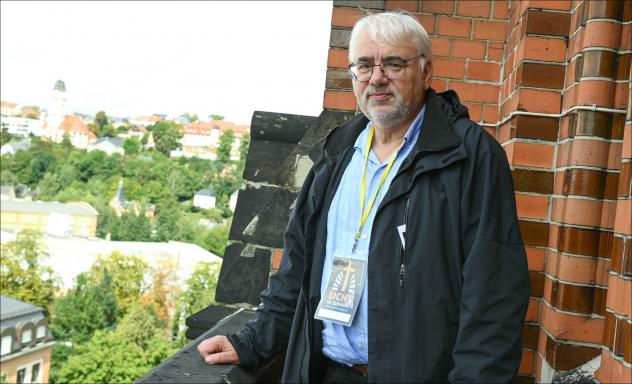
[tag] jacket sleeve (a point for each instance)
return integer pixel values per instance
(495, 279)
(267, 334)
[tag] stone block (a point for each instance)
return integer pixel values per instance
(242, 279)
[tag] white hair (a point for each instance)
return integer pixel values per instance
(396, 28)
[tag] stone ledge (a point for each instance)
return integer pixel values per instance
(186, 366)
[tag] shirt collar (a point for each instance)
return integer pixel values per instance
(411, 133)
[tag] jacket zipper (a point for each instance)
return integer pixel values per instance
(402, 252)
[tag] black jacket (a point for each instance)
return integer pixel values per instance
(458, 316)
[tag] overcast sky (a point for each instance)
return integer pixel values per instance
(139, 58)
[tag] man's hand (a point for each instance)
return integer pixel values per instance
(218, 350)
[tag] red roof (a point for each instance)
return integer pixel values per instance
(199, 128)
(6, 104)
(73, 123)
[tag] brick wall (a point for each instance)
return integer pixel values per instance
(531, 72)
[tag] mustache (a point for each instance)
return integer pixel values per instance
(372, 89)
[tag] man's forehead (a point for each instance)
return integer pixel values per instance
(370, 48)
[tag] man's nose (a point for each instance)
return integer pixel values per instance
(377, 77)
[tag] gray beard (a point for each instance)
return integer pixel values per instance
(386, 119)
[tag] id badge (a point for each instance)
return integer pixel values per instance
(341, 299)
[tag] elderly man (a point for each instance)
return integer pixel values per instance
(403, 258)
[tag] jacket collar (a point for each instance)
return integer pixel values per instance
(437, 131)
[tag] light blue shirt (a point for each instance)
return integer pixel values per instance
(349, 345)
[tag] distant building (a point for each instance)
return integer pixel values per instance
(109, 145)
(121, 205)
(13, 146)
(56, 108)
(201, 139)
(204, 198)
(26, 342)
(7, 192)
(8, 109)
(22, 126)
(80, 135)
(33, 112)
(232, 201)
(69, 256)
(78, 219)
(146, 121)
(137, 131)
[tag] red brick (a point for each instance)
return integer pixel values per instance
(560, 5)
(276, 258)
(445, 7)
(342, 100)
(345, 17)
(479, 93)
(536, 100)
(602, 34)
(490, 113)
(480, 70)
(494, 51)
(439, 85)
(501, 9)
(473, 8)
(468, 49)
(451, 68)
(490, 30)
(407, 5)
(526, 362)
(475, 111)
(440, 46)
(449, 26)
(542, 49)
(626, 37)
(597, 92)
(428, 22)
(338, 58)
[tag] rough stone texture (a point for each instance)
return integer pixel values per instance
(575, 376)
(241, 279)
(206, 319)
(187, 366)
(276, 167)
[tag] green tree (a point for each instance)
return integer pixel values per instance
(214, 240)
(120, 356)
(128, 275)
(131, 227)
(101, 126)
(23, 276)
(167, 135)
(225, 145)
(199, 293)
(214, 116)
(5, 136)
(89, 306)
(191, 118)
(66, 142)
(244, 145)
(132, 146)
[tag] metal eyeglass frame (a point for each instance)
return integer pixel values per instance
(355, 78)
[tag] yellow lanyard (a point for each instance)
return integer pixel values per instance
(364, 215)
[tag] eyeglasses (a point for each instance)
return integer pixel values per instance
(392, 68)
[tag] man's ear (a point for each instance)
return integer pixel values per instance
(427, 74)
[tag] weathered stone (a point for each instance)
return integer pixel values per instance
(205, 319)
(250, 201)
(187, 366)
(242, 279)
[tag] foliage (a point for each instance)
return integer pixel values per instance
(214, 240)
(199, 293)
(131, 227)
(89, 306)
(5, 136)
(132, 146)
(225, 144)
(23, 276)
(101, 126)
(119, 356)
(163, 290)
(190, 118)
(214, 116)
(167, 135)
(127, 274)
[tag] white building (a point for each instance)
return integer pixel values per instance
(22, 126)
(204, 198)
(14, 146)
(69, 256)
(109, 145)
(56, 107)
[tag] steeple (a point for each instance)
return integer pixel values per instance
(60, 86)
(119, 196)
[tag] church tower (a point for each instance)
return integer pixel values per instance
(56, 106)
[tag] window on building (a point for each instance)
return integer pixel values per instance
(41, 332)
(35, 371)
(27, 336)
(5, 345)
(21, 375)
